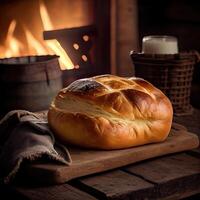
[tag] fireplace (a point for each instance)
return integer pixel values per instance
(89, 36)
(30, 28)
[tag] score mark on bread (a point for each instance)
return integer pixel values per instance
(110, 112)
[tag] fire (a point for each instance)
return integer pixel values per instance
(34, 45)
(13, 47)
(54, 45)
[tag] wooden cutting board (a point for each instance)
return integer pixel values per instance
(85, 162)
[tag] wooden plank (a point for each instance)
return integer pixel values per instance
(172, 174)
(87, 162)
(194, 152)
(115, 185)
(57, 192)
(184, 195)
(192, 122)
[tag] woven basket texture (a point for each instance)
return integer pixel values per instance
(170, 73)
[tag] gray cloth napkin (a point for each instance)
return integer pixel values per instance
(26, 136)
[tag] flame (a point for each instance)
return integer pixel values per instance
(14, 47)
(64, 58)
(47, 24)
(34, 45)
(54, 45)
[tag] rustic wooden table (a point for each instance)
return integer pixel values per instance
(174, 176)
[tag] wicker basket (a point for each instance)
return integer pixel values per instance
(170, 73)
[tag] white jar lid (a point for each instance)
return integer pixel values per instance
(159, 44)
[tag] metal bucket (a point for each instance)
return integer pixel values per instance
(29, 82)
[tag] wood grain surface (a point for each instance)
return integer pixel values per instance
(87, 162)
(115, 184)
(170, 174)
(169, 177)
(57, 192)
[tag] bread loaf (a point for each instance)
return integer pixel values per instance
(110, 112)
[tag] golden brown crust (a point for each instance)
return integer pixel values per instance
(110, 112)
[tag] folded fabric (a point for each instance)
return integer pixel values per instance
(26, 136)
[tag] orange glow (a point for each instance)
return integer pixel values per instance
(76, 66)
(54, 45)
(86, 38)
(65, 61)
(34, 45)
(76, 46)
(84, 57)
(12, 47)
